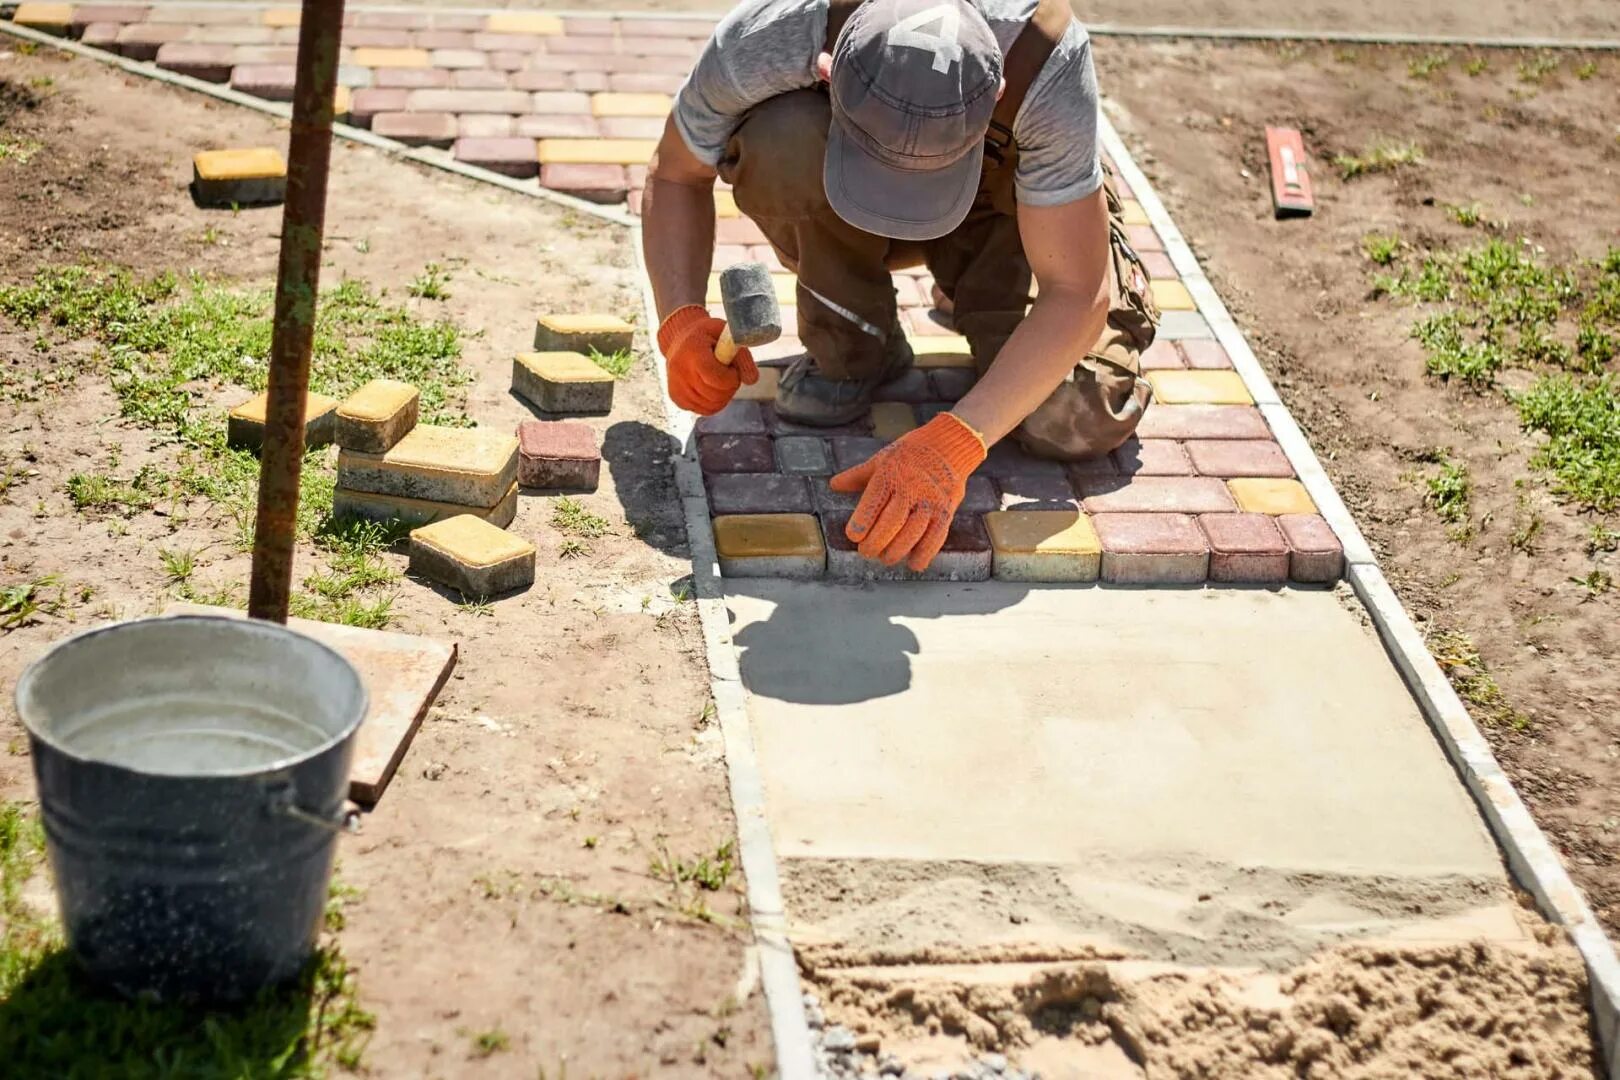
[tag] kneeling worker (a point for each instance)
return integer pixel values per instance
(865, 136)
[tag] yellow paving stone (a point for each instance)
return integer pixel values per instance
(725, 205)
(523, 22)
(1172, 296)
(1044, 545)
(46, 18)
(764, 389)
(468, 466)
(244, 177)
(582, 333)
(786, 289)
(892, 419)
(770, 545)
(472, 556)
(377, 415)
(941, 350)
(1180, 387)
(562, 382)
(244, 425)
(1268, 496)
(391, 58)
(610, 104)
(342, 102)
(1134, 214)
(280, 18)
(370, 506)
(596, 151)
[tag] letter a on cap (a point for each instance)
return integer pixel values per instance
(908, 33)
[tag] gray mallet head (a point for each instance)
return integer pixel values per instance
(752, 313)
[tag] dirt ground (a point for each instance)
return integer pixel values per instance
(1542, 157)
(506, 880)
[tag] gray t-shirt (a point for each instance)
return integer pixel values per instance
(764, 48)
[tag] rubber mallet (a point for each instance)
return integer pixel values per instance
(753, 317)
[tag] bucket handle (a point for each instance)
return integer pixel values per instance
(283, 801)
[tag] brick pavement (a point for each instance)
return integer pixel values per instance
(1203, 493)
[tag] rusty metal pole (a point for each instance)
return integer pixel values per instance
(303, 222)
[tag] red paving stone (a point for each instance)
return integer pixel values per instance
(758, 493)
(1152, 457)
(1152, 549)
(736, 453)
(1238, 457)
(511, 157)
(598, 183)
(1162, 354)
(1203, 422)
(1317, 554)
(416, 129)
(965, 555)
(1156, 495)
(1204, 354)
(558, 455)
(1245, 548)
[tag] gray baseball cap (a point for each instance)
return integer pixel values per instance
(914, 84)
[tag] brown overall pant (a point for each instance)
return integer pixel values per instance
(774, 163)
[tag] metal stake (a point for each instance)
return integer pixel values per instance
(303, 222)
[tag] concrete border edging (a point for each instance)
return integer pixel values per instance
(1530, 857)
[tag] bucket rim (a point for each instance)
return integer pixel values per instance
(31, 673)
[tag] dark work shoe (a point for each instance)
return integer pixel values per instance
(805, 396)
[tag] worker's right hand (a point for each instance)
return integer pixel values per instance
(698, 381)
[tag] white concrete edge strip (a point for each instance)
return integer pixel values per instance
(1530, 857)
(282, 110)
(709, 17)
(779, 971)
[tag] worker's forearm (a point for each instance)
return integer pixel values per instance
(1041, 353)
(677, 238)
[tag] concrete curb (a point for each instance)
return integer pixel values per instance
(779, 971)
(1530, 858)
(437, 159)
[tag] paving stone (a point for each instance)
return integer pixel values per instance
(393, 58)
(581, 333)
(561, 102)
(1172, 295)
(46, 18)
(472, 556)
(378, 415)
(616, 104)
(1317, 556)
(644, 82)
(1161, 356)
(483, 126)
(1245, 548)
(370, 506)
(201, 16)
(641, 46)
(912, 388)
(1206, 355)
(87, 15)
(562, 382)
(101, 35)
(240, 36)
(244, 425)
(558, 455)
(416, 129)
(892, 419)
(1133, 213)
(353, 76)
(210, 63)
(554, 127)
(1176, 325)
(596, 183)
(757, 492)
(952, 384)
(141, 41)
(459, 58)
(523, 22)
(469, 101)
(803, 455)
(428, 39)
(1007, 459)
(590, 26)
(374, 100)
(507, 60)
(356, 38)
(927, 322)
(827, 501)
(411, 79)
(468, 466)
(487, 41)
(530, 79)
(1203, 422)
(1156, 495)
(736, 230)
(1036, 493)
(273, 82)
(1152, 549)
(770, 545)
(478, 79)
(1239, 457)
(737, 418)
(980, 497)
(736, 454)
(1044, 545)
(596, 151)
(1271, 496)
(783, 351)
(275, 55)
(1199, 388)
(1091, 467)
(591, 82)
(1151, 457)
(282, 17)
(852, 450)
(509, 156)
(965, 555)
(941, 352)
(780, 426)
(1158, 265)
(1143, 238)
(647, 127)
(244, 177)
(764, 389)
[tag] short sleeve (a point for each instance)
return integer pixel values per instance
(761, 49)
(1056, 129)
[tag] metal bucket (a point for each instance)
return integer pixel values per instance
(192, 777)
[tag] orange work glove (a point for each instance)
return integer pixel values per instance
(698, 382)
(913, 487)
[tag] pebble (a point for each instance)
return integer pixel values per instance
(838, 1040)
(891, 1066)
(996, 1063)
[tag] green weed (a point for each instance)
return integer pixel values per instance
(1586, 70)
(1448, 495)
(21, 151)
(107, 494)
(178, 566)
(486, 1043)
(1467, 215)
(1602, 538)
(1595, 582)
(430, 283)
(1382, 249)
(1526, 528)
(1477, 66)
(1428, 64)
(570, 516)
(1536, 69)
(1380, 156)
(20, 603)
(1460, 660)
(616, 364)
(1581, 420)
(707, 872)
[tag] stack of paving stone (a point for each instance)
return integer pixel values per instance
(560, 379)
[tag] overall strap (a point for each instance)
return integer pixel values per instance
(838, 13)
(1028, 55)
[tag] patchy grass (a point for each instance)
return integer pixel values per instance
(1381, 156)
(1427, 64)
(22, 603)
(1581, 420)
(710, 872)
(1449, 494)
(488, 1043)
(1381, 248)
(1595, 582)
(1467, 215)
(431, 283)
(579, 526)
(54, 1024)
(21, 151)
(106, 494)
(1460, 660)
(616, 364)
(1536, 69)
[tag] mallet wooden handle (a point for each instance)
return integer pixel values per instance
(726, 350)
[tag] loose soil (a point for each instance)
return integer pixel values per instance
(507, 881)
(1542, 157)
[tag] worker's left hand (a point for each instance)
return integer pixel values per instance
(912, 489)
